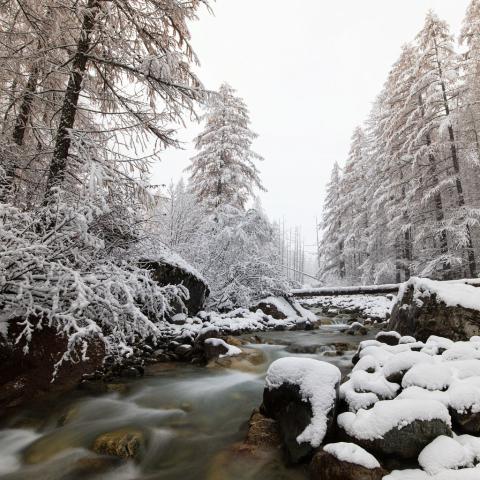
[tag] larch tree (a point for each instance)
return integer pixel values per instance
(439, 91)
(331, 255)
(224, 171)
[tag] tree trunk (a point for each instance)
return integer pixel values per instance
(19, 133)
(437, 197)
(456, 166)
(59, 162)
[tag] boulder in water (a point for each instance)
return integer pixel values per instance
(120, 443)
(302, 395)
(345, 461)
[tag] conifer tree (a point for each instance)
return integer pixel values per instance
(224, 171)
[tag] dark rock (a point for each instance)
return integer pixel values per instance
(406, 442)
(293, 415)
(120, 443)
(269, 309)
(29, 376)
(466, 422)
(325, 466)
(172, 346)
(388, 338)
(165, 273)
(421, 314)
(131, 372)
(214, 349)
(184, 351)
(311, 349)
(212, 332)
(263, 431)
(357, 329)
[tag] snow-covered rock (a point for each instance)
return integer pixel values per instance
(216, 347)
(168, 268)
(399, 427)
(301, 394)
(281, 308)
(390, 338)
(425, 307)
(345, 461)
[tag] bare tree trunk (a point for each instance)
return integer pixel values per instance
(437, 197)
(59, 162)
(18, 136)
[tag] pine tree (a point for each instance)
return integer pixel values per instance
(331, 255)
(224, 171)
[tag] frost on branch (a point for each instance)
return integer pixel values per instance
(62, 277)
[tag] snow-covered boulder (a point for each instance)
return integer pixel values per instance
(301, 394)
(426, 307)
(218, 348)
(364, 389)
(282, 308)
(395, 368)
(445, 459)
(345, 461)
(397, 427)
(390, 338)
(169, 269)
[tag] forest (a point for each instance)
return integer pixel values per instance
(407, 201)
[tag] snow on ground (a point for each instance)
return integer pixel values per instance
(235, 322)
(317, 383)
(351, 453)
(374, 306)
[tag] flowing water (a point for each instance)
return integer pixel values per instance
(190, 417)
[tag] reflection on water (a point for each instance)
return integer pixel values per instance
(188, 417)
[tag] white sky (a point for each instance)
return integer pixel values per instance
(309, 71)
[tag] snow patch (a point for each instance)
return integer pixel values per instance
(351, 453)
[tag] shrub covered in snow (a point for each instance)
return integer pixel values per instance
(56, 271)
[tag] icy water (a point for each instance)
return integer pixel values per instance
(190, 417)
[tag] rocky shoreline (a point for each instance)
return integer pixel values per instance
(392, 418)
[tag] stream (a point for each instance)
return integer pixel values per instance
(189, 415)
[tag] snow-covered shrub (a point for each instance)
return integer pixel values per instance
(55, 272)
(236, 254)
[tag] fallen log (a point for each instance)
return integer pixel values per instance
(357, 290)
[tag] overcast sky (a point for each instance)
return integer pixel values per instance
(309, 71)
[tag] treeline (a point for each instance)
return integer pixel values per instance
(407, 201)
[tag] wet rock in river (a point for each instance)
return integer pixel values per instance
(263, 431)
(248, 361)
(90, 466)
(327, 466)
(121, 443)
(301, 394)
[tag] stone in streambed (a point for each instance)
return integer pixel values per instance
(301, 394)
(120, 443)
(329, 466)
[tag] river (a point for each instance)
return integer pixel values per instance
(189, 415)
